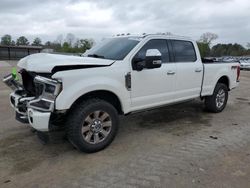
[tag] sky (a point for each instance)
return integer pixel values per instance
(47, 19)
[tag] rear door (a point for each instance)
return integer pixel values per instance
(189, 70)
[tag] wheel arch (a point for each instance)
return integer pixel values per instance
(224, 80)
(105, 95)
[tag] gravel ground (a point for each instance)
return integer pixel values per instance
(177, 146)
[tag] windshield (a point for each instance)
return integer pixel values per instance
(113, 48)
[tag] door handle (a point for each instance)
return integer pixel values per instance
(170, 73)
(198, 70)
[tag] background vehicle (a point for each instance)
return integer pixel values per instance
(245, 64)
(122, 75)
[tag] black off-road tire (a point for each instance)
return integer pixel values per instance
(76, 119)
(210, 101)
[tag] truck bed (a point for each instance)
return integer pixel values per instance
(214, 70)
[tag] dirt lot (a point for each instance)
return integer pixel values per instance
(179, 146)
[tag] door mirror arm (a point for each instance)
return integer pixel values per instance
(138, 64)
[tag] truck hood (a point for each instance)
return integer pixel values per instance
(45, 63)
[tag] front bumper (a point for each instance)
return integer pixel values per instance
(37, 119)
(34, 100)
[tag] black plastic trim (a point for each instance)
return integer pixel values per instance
(74, 67)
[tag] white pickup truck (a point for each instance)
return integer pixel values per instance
(85, 95)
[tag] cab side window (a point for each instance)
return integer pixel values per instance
(183, 51)
(159, 44)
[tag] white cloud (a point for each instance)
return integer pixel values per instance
(96, 19)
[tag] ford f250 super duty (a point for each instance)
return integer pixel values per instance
(85, 95)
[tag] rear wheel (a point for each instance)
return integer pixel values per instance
(92, 125)
(218, 101)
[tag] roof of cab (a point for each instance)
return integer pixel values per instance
(170, 36)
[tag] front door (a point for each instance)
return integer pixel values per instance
(153, 87)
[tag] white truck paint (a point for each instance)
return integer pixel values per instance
(136, 89)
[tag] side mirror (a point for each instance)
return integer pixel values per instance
(153, 59)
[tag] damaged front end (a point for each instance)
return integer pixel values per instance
(34, 99)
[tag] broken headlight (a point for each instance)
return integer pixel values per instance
(46, 92)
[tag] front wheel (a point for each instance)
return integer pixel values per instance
(92, 125)
(218, 101)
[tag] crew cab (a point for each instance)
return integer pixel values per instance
(125, 74)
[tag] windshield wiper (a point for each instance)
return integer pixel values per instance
(96, 56)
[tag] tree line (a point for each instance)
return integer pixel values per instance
(69, 44)
(218, 50)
